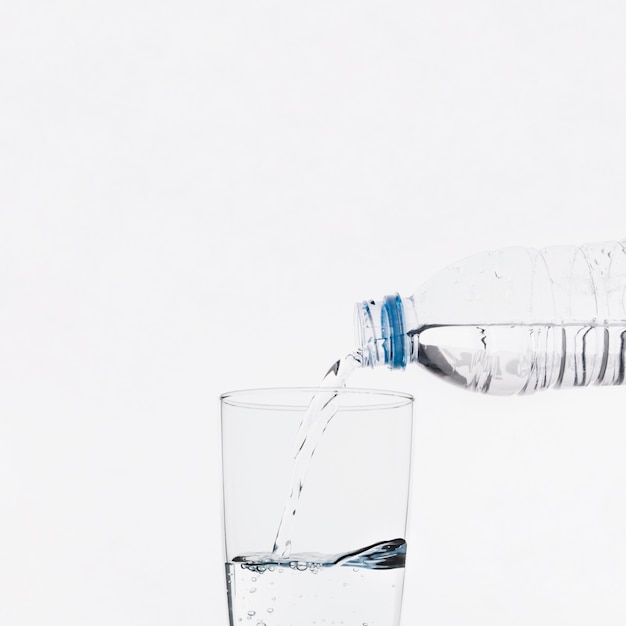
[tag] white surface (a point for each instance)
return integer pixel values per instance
(192, 197)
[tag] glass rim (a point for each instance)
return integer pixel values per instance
(236, 398)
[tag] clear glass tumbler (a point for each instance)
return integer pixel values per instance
(342, 510)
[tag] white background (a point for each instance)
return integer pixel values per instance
(194, 194)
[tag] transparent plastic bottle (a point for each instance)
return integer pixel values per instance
(510, 321)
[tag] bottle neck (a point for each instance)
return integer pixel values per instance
(382, 331)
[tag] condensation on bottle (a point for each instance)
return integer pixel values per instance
(510, 321)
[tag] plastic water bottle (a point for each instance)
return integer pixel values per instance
(511, 321)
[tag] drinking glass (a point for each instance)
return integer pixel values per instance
(342, 506)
